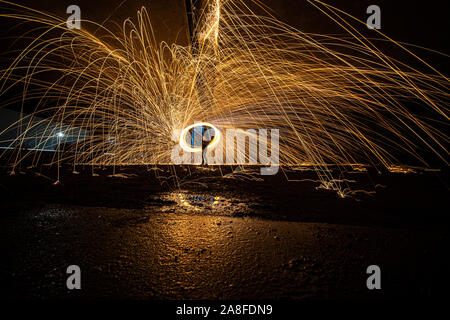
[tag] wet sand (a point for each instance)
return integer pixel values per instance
(136, 236)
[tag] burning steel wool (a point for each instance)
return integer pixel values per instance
(335, 100)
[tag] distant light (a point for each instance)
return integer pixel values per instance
(60, 134)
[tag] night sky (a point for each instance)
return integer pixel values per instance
(406, 21)
(418, 22)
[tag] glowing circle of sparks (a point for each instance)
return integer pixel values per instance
(211, 145)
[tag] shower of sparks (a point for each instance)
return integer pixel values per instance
(336, 100)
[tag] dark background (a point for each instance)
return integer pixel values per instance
(423, 24)
(417, 22)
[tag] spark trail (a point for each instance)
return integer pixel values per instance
(336, 100)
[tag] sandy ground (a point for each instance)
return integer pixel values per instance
(211, 238)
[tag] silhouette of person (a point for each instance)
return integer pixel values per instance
(207, 137)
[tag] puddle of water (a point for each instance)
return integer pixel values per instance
(203, 203)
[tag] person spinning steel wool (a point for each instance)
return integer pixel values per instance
(207, 137)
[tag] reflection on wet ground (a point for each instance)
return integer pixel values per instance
(131, 254)
(206, 203)
(229, 238)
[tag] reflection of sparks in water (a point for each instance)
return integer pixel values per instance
(335, 100)
(198, 201)
(401, 169)
(206, 203)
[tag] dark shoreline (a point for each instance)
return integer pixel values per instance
(269, 239)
